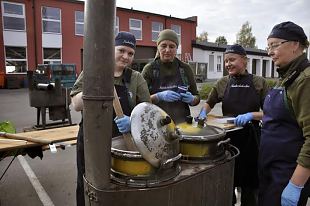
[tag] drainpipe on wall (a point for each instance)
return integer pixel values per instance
(308, 49)
(35, 33)
(97, 96)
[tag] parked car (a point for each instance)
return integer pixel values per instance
(65, 72)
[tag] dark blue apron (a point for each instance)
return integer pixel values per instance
(281, 141)
(176, 110)
(241, 97)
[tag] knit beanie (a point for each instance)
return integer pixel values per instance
(289, 31)
(125, 39)
(168, 34)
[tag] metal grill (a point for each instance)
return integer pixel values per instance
(52, 96)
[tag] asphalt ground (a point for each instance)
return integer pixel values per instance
(50, 181)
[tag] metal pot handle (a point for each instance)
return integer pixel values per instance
(234, 151)
(223, 142)
(173, 159)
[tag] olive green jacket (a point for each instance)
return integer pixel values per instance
(169, 69)
(217, 93)
(298, 100)
(137, 87)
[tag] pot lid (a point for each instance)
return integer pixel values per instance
(154, 133)
(202, 133)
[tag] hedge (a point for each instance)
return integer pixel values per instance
(205, 90)
(206, 87)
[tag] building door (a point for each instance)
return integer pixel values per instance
(211, 63)
(143, 52)
(254, 66)
(264, 68)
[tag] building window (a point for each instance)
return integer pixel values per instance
(51, 55)
(116, 29)
(135, 27)
(15, 59)
(13, 16)
(79, 23)
(177, 30)
(156, 28)
(51, 21)
(219, 64)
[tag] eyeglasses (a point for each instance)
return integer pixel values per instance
(275, 45)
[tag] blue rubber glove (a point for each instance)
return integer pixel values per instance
(168, 96)
(123, 124)
(242, 119)
(203, 113)
(187, 97)
(290, 195)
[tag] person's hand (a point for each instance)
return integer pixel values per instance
(203, 113)
(168, 96)
(290, 194)
(187, 97)
(123, 124)
(242, 119)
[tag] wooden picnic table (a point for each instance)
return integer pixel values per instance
(62, 134)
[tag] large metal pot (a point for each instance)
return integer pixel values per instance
(202, 143)
(128, 163)
(130, 168)
(157, 142)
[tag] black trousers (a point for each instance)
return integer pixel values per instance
(305, 194)
(80, 196)
(246, 168)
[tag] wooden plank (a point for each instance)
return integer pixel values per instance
(55, 134)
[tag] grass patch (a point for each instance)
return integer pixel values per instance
(207, 87)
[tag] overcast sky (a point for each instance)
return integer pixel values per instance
(225, 17)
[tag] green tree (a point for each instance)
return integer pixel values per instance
(221, 40)
(202, 37)
(245, 37)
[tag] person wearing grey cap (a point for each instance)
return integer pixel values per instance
(131, 89)
(284, 158)
(242, 96)
(171, 82)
